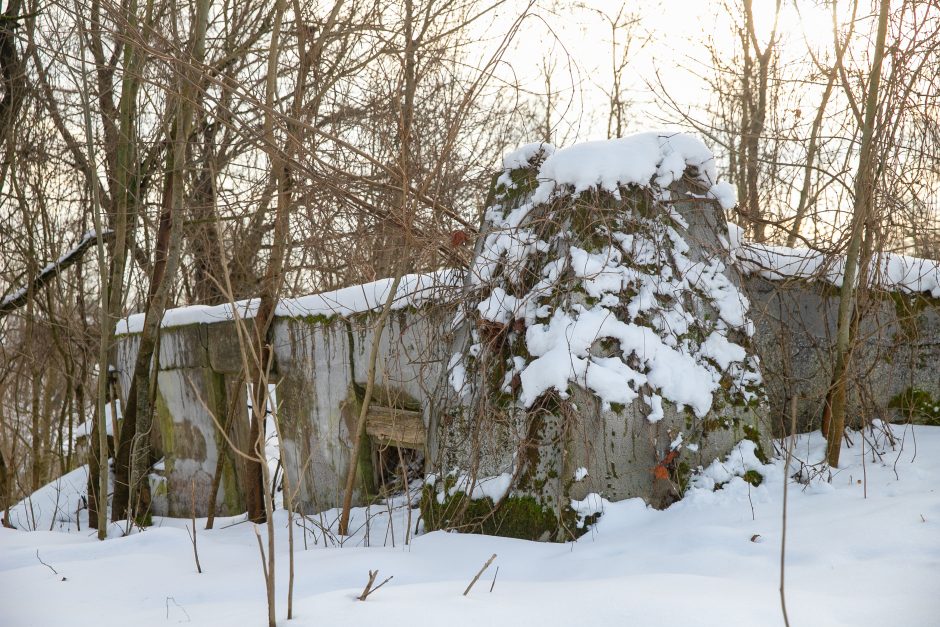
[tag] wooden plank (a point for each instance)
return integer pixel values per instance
(396, 427)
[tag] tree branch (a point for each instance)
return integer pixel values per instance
(20, 297)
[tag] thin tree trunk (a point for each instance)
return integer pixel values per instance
(364, 409)
(808, 168)
(13, 76)
(98, 472)
(165, 268)
(270, 286)
(754, 128)
(406, 112)
(813, 148)
(864, 197)
(4, 494)
(220, 464)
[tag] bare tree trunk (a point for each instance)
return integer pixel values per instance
(168, 257)
(864, 197)
(812, 150)
(98, 490)
(122, 506)
(225, 427)
(204, 238)
(4, 493)
(13, 74)
(270, 287)
(406, 119)
(808, 168)
(364, 409)
(754, 128)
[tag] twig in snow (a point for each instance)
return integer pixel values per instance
(168, 599)
(192, 536)
(369, 589)
(485, 566)
(47, 565)
(264, 563)
(783, 515)
(494, 579)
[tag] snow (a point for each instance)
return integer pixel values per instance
(655, 402)
(711, 559)
(717, 347)
(725, 193)
(561, 351)
(86, 240)
(86, 428)
(54, 506)
(499, 307)
(888, 271)
(523, 156)
(457, 374)
(493, 488)
(646, 263)
(656, 156)
(414, 290)
(741, 459)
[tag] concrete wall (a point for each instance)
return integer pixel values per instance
(542, 446)
(323, 369)
(320, 368)
(322, 364)
(196, 380)
(898, 351)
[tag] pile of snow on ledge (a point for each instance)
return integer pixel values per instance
(414, 290)
(889, 271)
(658, 157)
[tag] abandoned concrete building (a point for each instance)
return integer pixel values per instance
(569, 359)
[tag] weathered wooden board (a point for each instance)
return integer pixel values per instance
(395, 427)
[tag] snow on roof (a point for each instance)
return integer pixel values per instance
(413, 291)
(889, 271)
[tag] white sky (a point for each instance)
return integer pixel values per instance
(676, 31)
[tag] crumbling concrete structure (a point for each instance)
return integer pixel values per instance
(321, 352)
(452, 386)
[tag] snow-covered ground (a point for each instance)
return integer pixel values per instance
(711, 559)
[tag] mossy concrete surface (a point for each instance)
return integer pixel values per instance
(894, 373)
(191, 400)
(569, 444)
(520, 517)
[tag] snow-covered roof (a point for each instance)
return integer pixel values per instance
(413, 291)
(889, 271)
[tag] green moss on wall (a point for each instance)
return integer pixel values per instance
(164, 422)
(918, 404)
(514, 517)
(524, 182)
(751, 433)
(907, 308)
